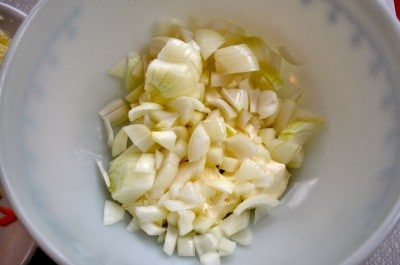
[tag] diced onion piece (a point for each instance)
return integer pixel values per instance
(171, 238)
(186, 246)
(226, 247)
(103, 172)
(165, 175)
(210, 258)
(172, 219)
(165, 119)
(199, 143)
(150, 213)
(256, 201)
(109, 132)
(235, 59)
(283, 151)
(143, 108)
(249, 170)
(178, 51)
(297, 132)
(267, 134)
(202, 224)
(215, 128)
(113, 213)
(235, 223)
(244, 237)
(237, 97)
(189, 170)
(126, 184)
(134, 71)
(146, 163)
(166, 139)
(185, 107)
(120, 143)
(135, 93)
(140, 136)
(152, 229)
(244, 188)
(176, 205)
(159, 156)
(185, 222)
(118, 70)
(168, 80)
(229, 164)
(133, 225)
(220, 80)
(209, 41)
(286, 112)
(268, 104)
(205, 243)
(241, 146)
(221, 185)
(217, 232)
(228, 112)
(190, 195)
(215, 156)
(115, 112)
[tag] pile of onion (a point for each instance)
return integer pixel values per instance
(204, 137)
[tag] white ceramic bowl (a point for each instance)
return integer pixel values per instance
(338, 208)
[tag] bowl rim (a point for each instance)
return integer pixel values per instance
(362, 253)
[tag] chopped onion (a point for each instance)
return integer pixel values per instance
(152, 229)
(238, 98)
(140, 135)
(186, 246)
(241, 146)
(166, 139)
(139, 111)
(185, 222)
(256, 201)
(209, 41)
(235, 59)
(150, 213)
(118, 70)
(178, 51)
(134, 71)
(103, 172)
(171, 238)
(168, 80)
(204, 137)
(210, 258)
(202, 224)
(226, 247)
(133, 225)
(268, 103)
(113, 213)
(235, 223)
(244, 237)
(119, 144)
(205, 243)
(199, 143)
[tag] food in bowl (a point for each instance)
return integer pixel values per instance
(207, 132)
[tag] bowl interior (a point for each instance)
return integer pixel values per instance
(338, 207)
